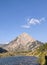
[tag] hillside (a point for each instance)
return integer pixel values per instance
(42, 51)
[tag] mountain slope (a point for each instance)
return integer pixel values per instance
(23, 43)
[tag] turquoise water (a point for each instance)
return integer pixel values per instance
(19, 60)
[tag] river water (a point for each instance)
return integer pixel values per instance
(19, 60)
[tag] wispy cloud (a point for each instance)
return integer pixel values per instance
(33, 21)
(25, 26)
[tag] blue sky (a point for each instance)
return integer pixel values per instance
(18, 16)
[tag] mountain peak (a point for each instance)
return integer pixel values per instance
(24, 33)
(27, 37)
(23, 42)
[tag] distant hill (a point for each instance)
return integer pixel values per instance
(23, 42)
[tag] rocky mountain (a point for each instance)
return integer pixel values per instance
(23, 42)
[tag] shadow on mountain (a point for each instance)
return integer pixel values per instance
(2, 50)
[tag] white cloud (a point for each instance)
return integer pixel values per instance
(33, 21)
(25, 26)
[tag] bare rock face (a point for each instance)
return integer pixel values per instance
(23, 43)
